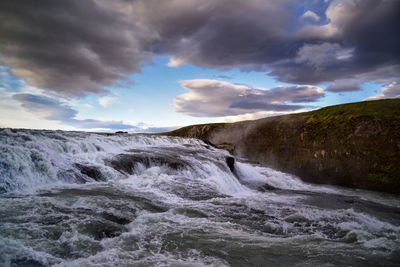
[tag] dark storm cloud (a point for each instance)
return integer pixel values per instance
(365, 33)
(213, 98)
(357, 37)
(222, 34)
(74, 47)
(52, 109)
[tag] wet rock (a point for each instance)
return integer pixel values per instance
(25, 262)
(116, 219)
(266, 187)
(230, 161)
(226, 146)
(91, 171)
(51, 220)
(71, 176)
(194, 190)
(191, 213)
(3, 190)
(199, 195)
(208, 144)
(258, 186)
(103, 229)
(127, 163)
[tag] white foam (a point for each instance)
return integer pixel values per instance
(32, 159)
(257, 174)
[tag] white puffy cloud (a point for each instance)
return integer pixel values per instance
(213, 98)
(322, 55)
(108, 100)
(310, 15)
(390, 91)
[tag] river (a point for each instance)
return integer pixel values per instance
(87, 199)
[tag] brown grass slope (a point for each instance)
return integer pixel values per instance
(354, 145)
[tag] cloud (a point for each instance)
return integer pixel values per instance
(106, 101)
(46, 107)
(310, 15)
(371, 39)
(219, 34)
(53, 109)
(76, 47)
(390, 91)
(224, 77)
(322, 55)
(86, 105)
(71, 47)
(343, 86)
(213, 98)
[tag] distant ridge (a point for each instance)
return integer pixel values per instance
(355, 145)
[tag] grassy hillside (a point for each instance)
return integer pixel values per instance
(355, 145)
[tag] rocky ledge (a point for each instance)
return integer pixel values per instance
(355, 145)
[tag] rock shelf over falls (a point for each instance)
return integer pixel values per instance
(354, 145)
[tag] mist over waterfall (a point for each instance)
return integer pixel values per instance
(91, 199)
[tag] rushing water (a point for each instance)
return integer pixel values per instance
(82, 199)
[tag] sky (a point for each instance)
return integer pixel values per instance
(155, 65)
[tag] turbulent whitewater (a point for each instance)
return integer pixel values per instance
(87, 199)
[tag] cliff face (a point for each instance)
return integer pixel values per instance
(354, 145)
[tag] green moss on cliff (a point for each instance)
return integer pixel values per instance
(342, 118)
(356, 144)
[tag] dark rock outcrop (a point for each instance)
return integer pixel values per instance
(355, 145)
(126, 163)
(91, 171)
(226, 146)
(230, 161)
(121, 132)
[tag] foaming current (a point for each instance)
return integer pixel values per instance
(87, 199)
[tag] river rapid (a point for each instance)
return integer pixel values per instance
(87, 199)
